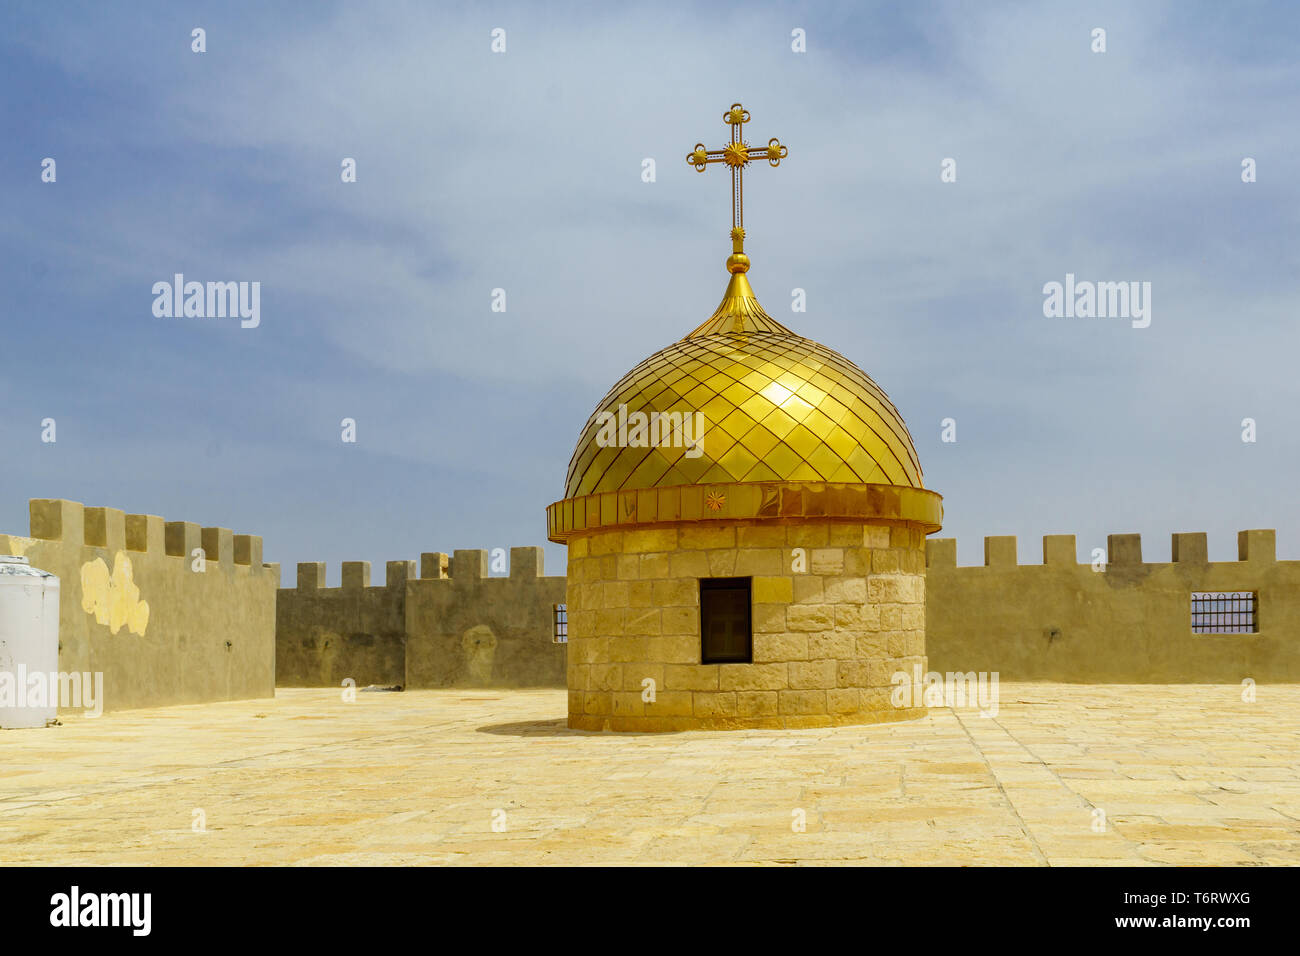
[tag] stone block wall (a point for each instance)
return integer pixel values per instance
(1129, 623)
(357, 631)
(445, 623)
(832, 623)
(475, 630)
(133, 607)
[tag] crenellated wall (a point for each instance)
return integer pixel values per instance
(324, 635)
(133, 606)
(453, 625)
(475, 630)
(1131, 622)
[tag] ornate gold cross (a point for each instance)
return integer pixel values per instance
(737, 154)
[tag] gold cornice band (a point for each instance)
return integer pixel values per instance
(743, 500)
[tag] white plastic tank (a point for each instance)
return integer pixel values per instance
(29, 644)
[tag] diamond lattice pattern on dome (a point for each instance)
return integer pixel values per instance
(777, 407)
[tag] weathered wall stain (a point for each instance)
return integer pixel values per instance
(114, 598)
(480, 647)
(15, 545)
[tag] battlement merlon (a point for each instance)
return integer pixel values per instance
(104, 528)
(57, 519)
(941, 553)
(397, 573)
(218, 545)
(526, 562)
(356, 574)
(1122, 550)
(1000, 551)
(182, 537)
(1060, 550)
(311, 575)
(472, 566)
(248, 550)
(1258, 545)
(468, 567)
(464, 568)
(435, 565)
(1189, 547)
(146, 533)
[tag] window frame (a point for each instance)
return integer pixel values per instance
(745, 584)
(1207, 620)
(560, 623)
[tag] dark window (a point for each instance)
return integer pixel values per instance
(561, 631)
(725, 636)
(1224, 612)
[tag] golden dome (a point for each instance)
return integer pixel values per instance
(775, 406)
(742, 419)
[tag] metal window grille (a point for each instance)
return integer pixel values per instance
(1225, 612)
(561, 630)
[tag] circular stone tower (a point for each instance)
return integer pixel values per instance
(745, 521)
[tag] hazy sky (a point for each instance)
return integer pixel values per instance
(522, 171)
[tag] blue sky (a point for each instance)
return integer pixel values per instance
(522, 171)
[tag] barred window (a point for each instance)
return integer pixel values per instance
(560, 632)
(1224, 612)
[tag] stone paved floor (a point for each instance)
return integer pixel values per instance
(1184, 775)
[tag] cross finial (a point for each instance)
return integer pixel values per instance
(737, 155)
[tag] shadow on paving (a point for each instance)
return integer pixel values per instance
(557, 728)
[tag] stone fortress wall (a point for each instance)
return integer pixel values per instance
(1056, 621)
(133, 607)
(1131, 623)
(450, 625)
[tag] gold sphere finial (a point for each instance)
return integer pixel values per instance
(737, 262)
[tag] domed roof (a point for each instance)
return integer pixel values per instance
(742, 419)
(775, 405)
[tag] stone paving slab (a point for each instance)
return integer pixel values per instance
(1064, 775)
